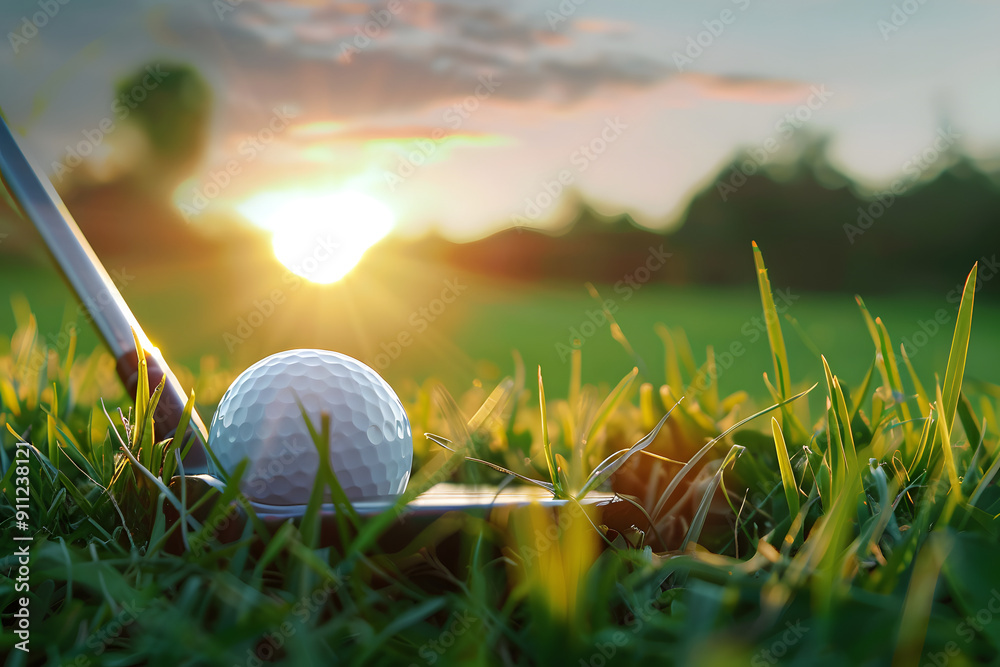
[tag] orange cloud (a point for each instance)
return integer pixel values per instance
(344, 132)
(750, 90)
(603, 26)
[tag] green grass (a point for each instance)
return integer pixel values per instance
(856, 527)
(475, 337)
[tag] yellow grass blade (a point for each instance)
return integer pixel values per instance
(785, 465)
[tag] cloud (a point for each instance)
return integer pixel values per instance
(489, 25)
(602, 26)
(360, 58)
(746, 89)
(364, 133)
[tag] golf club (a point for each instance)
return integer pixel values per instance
(39, 203)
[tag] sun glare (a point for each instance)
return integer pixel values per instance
(320, 237)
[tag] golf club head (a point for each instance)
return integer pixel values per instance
(484, 503)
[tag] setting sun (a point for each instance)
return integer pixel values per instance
(320, 237)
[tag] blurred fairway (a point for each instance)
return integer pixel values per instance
(474, 337)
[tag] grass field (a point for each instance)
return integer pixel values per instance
(474, 337)
(861, 530)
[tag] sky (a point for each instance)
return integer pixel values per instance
(467, 117)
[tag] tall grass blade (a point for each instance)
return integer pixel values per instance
(157, 482)
(923, 447)
(50, 432)
(325, 478)
(785, 465)
(141, 391)
(858, 396)
(184, 444)
(550, 460)
(959, 352)
(944, 436)
(607, 408)
(877, 341)
(923, 398)
(836, 448)
(892, 368)
(850, 450)
(778, 352)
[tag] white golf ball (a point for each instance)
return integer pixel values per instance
(260, 419)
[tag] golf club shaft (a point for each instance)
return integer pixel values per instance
(39, 203)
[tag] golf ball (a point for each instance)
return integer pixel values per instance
(260, 419)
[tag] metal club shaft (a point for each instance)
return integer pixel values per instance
(38, 201)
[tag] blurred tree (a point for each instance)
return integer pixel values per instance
(820, 230)
(163, 114)
(171, 105)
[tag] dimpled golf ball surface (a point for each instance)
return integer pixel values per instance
(260, 419)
